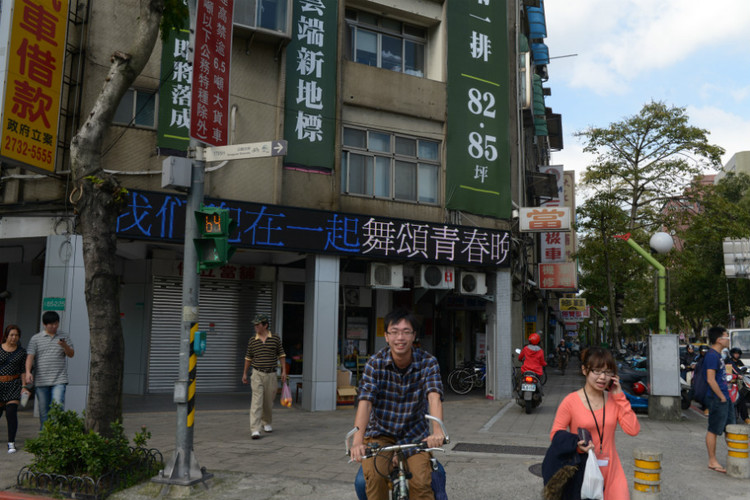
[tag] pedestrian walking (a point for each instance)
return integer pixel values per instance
(599, 407)
(399, 385)
(718, 403)
(264, 353)
(47, 354)
(12, 380)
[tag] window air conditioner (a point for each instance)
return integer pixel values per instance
(472, 283)
(438, 277)
(386, 275)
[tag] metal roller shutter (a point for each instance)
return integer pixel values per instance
(230, 306)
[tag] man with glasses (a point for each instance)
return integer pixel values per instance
(400, 384)
(720, 409)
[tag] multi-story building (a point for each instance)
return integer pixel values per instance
(413, 129)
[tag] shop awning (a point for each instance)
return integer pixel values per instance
(540, 113)
(537, 23)
(540, 54)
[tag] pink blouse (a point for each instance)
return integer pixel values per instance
(573, 413)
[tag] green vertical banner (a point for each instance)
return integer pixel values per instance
(478, 149)
(310, 105)
(173, 134)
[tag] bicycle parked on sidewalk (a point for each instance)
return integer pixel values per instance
(399, 475)
(464, 378)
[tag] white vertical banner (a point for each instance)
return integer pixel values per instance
(553, 243)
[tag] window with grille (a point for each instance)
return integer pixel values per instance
(137, 107)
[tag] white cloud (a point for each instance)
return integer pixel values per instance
(618, 40)
(727, 130)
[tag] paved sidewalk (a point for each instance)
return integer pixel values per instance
(304, 457)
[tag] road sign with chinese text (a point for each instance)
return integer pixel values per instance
(242, 151)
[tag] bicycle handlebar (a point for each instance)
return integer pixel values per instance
(371, 451)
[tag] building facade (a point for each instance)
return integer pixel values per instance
(414, 130)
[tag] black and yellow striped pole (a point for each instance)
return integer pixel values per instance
(183, 468)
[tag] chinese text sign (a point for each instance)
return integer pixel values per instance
(33, 56)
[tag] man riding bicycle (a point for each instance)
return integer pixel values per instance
(400, 384)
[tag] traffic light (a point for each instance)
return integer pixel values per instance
(214, 226)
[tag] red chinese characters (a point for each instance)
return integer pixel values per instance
(209, 103)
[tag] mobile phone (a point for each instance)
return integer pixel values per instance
(584, 435)
(609, 386)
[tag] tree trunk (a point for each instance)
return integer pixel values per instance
(97, 197)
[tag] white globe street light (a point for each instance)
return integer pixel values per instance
(661, 242)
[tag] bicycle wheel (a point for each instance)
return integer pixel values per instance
(462, 382)
(452, 376)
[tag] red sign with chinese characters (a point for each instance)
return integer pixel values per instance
(209, 102)
(33, 56)
(558, 276)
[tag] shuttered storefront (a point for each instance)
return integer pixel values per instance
(230, 306)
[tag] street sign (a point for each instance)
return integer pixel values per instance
(243, 151)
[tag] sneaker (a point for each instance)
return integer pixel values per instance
(11, 447)
(267, 428)
(256, 435)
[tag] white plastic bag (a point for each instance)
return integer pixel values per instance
(593, 481)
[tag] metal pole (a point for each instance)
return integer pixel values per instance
(662, 283)
(183, 469)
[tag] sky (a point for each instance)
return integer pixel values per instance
(688, 53)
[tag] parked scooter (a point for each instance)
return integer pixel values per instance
(636, 386)
(528, 389)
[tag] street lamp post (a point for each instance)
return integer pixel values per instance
(662, 243)
(664, 359)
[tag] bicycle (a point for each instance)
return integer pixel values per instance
(464, 379)
(399, 475)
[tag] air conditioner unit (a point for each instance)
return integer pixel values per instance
(386, 275)
(438, 277)
(472, 283)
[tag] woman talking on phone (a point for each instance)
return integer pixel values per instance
(598, 407)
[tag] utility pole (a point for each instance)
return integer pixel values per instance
(183, 469)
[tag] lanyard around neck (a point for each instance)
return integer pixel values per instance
(604, 416)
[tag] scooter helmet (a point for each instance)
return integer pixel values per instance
(639, 388)
(534, 339)
(735, 350)
(703, 350)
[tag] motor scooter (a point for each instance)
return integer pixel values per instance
(636, 386)
(528, 389)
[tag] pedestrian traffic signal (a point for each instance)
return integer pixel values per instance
(214, 227)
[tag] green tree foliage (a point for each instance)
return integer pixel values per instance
(641, 162)
(707, 215)
(646, 159)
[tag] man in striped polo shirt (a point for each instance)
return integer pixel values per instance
(264, 351)
(47, 353)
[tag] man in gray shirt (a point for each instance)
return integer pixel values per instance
(47, 353)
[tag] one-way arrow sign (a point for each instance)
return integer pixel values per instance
(243, 151)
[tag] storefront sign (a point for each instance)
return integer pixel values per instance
(574, 315)
(542, 219)
(53, 304)
(572, 304)
(558, 276)
(209, 101)
(478, 151)
(32, 51)
(309, 122)
(161, 216)
(553, 242)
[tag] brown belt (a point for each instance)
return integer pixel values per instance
(8, 378)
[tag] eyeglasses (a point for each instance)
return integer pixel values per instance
(396, 333)
(606, 373)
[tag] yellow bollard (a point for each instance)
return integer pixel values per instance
(647, 475)
(738, 464)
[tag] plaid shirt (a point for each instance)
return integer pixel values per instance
(399, 400)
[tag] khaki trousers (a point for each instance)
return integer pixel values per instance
(264, 386)
(420, 485)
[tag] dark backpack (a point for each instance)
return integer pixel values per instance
(700, 385)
